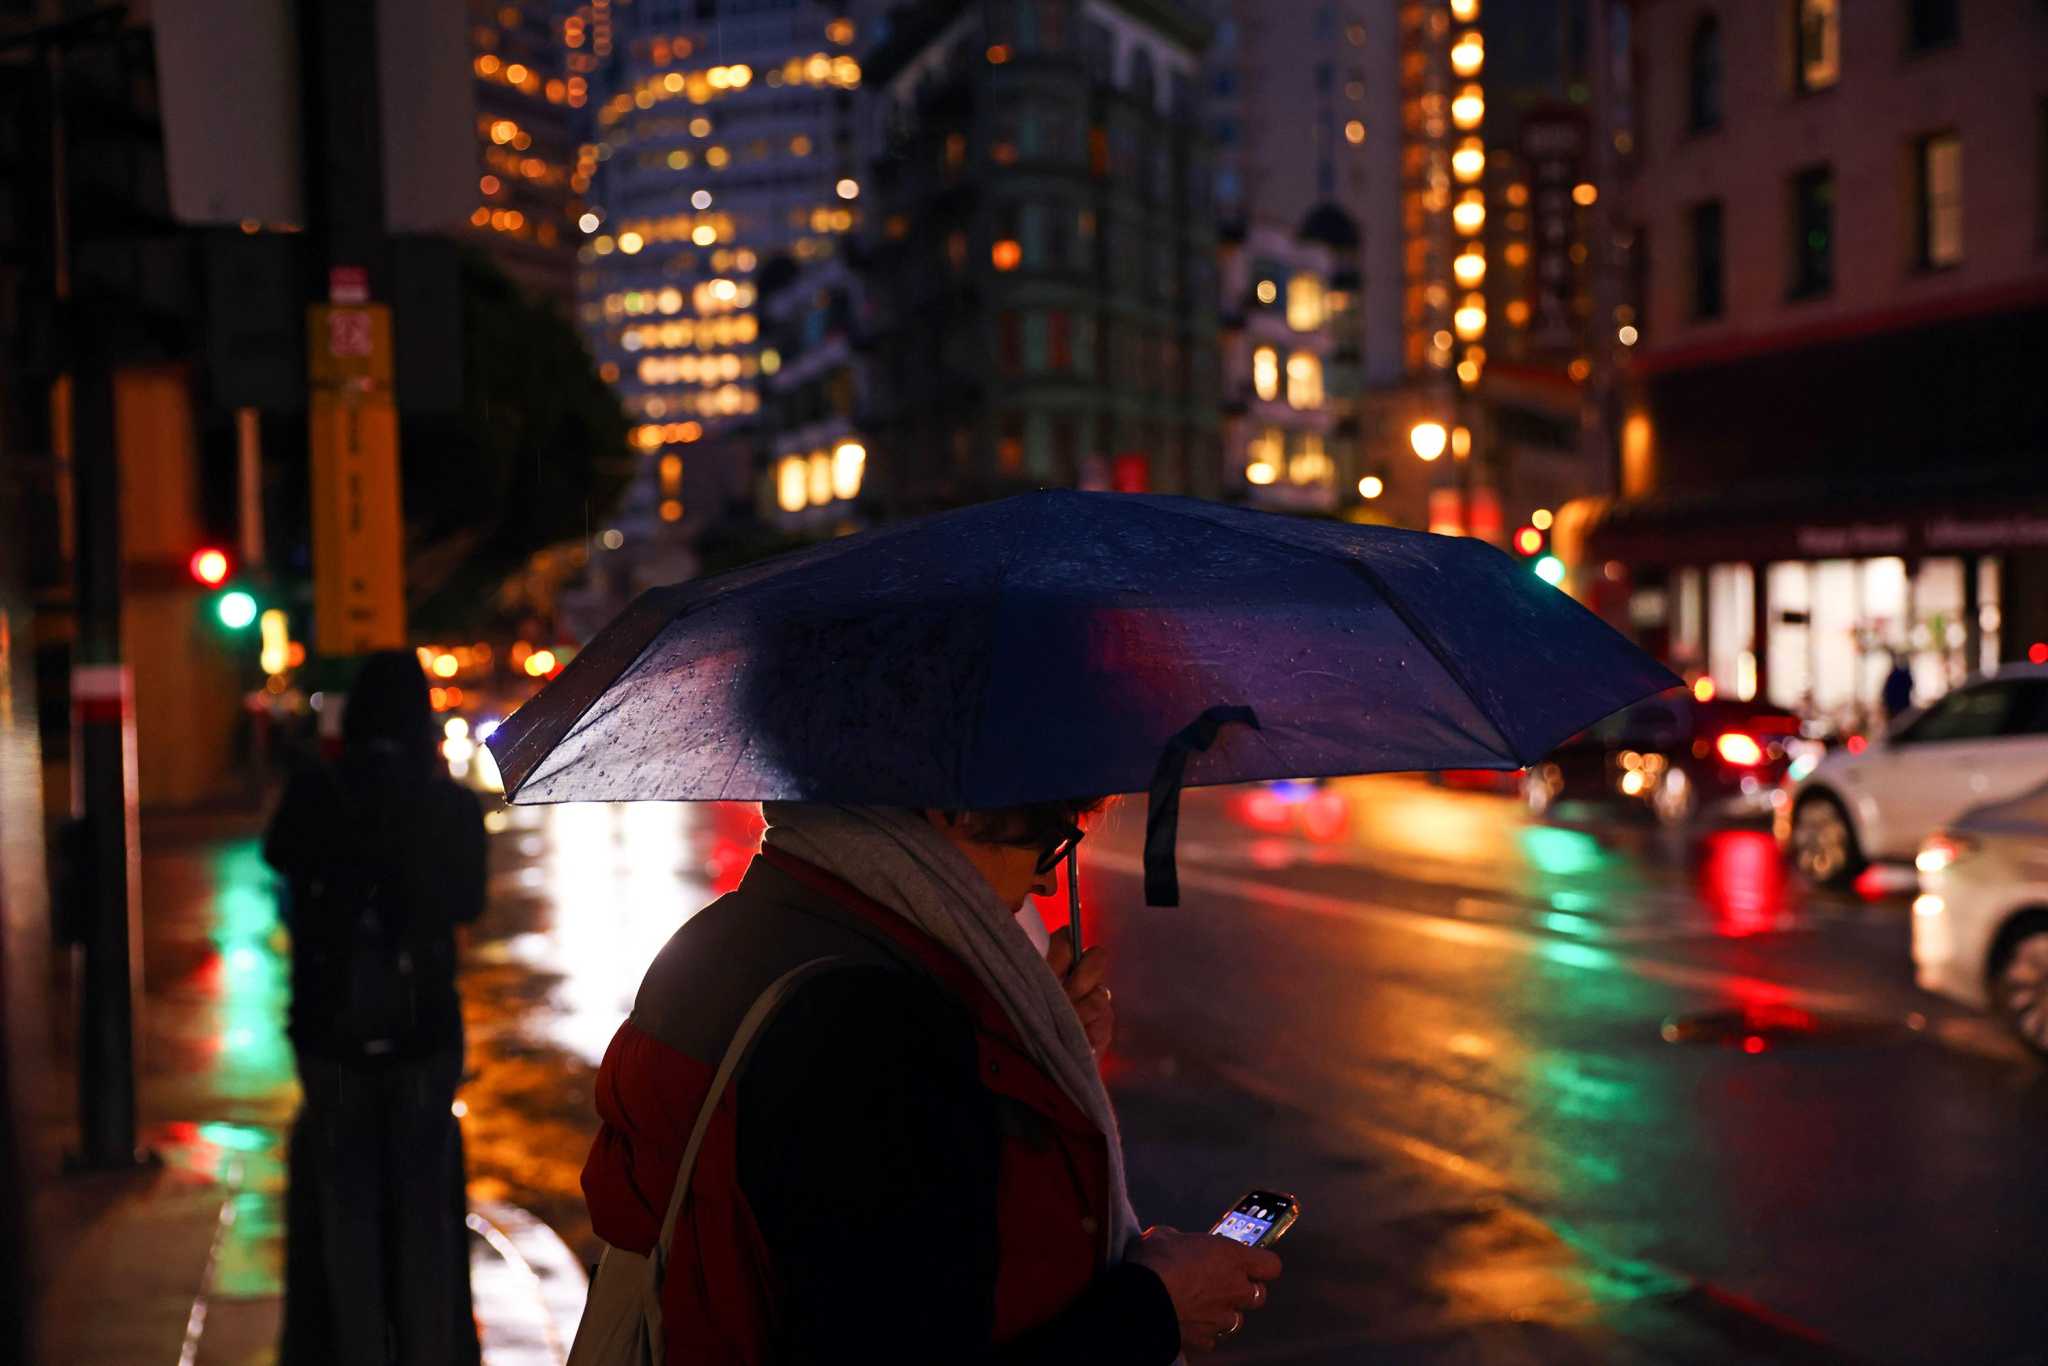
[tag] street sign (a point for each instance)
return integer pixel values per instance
(348, 285)
(349, 348)
(348, 333)
(358, 603)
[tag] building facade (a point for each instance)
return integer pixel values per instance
(810, 456)
(1290, 348)
(1835, 442)
(1044, 258)
(532, 61)
(723, 136)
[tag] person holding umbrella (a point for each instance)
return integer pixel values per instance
(854, 1116)
(921, 1140)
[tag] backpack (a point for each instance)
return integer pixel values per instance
(365, 959)
(621, 1323)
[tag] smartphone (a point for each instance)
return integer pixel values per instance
(1259, 1219)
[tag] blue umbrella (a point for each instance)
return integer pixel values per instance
(1059, 645)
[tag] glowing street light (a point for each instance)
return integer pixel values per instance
(1469, 268)
(1427, 439)
(1468, 55)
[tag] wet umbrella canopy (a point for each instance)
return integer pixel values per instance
(1062, 644)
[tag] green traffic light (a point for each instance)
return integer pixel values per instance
(235, 609)
(1550, 569)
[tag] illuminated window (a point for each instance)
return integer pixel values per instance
(1818, 58)
(1941, 200)
(1308, 464)
(1304, 302)
(849, 459)
(1304, 380)
(792, 480)
(1264, 455)
(1266, 372)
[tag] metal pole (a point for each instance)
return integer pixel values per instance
(102, 706)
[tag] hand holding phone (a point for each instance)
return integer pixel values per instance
(1213, 1282)
(1260, 1219)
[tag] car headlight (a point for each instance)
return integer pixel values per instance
(1941, 849)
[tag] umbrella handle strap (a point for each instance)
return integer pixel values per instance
(1162, 807)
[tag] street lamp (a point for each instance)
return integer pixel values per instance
(1428, 439)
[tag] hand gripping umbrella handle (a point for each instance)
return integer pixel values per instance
(1162, 808)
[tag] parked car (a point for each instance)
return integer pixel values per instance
(1983, 742)
(1980, 924)
(1675, 755)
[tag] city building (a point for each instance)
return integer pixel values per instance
(723, 135)
(811, 451)
(1477, 427)
(1834, 440)
(1302, 109)
(1287, 309)
(1044, 257)
(533, 61)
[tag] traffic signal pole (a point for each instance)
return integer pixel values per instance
(105, 877)
(358, 598)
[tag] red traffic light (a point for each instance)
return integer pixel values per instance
(1529, 540)
(209, 565)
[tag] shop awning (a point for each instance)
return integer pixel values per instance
(1812, 520)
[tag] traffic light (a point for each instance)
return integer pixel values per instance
(235, 609)
(210, 566)
(1528, 541)
(1550, 569)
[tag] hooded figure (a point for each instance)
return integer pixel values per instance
(383, 860)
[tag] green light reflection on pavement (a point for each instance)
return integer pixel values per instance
(1572, 924)
(1574, 901)
(1560, 852)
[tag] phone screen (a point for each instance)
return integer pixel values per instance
(1247, 1223)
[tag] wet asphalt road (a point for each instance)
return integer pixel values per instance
(1443, 1027)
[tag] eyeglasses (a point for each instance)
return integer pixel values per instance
(1050, 857)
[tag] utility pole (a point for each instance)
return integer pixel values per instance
(103, 845)
(357, 529)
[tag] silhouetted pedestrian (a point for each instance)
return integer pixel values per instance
(383, 855)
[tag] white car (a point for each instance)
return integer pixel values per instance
(1984, 742)
(1980, 924)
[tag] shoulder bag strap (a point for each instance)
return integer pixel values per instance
(757, 1016)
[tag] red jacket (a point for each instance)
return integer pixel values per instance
(891, 1170)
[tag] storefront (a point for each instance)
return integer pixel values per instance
(1812, 614)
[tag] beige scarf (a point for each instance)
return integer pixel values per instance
(895, 856)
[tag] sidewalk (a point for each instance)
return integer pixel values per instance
(182, 1262)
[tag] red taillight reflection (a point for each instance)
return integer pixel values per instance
(1736, 748)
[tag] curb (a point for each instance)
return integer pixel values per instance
(527, 1285)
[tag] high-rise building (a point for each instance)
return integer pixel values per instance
(723, 137)
(1296, 94)
(1044, 258)
(532, 61)
(1479, 427)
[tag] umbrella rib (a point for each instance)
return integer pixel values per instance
(1408, 619)
(1436, 650)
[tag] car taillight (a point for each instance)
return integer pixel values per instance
(1940, 849)
(1739, 749)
